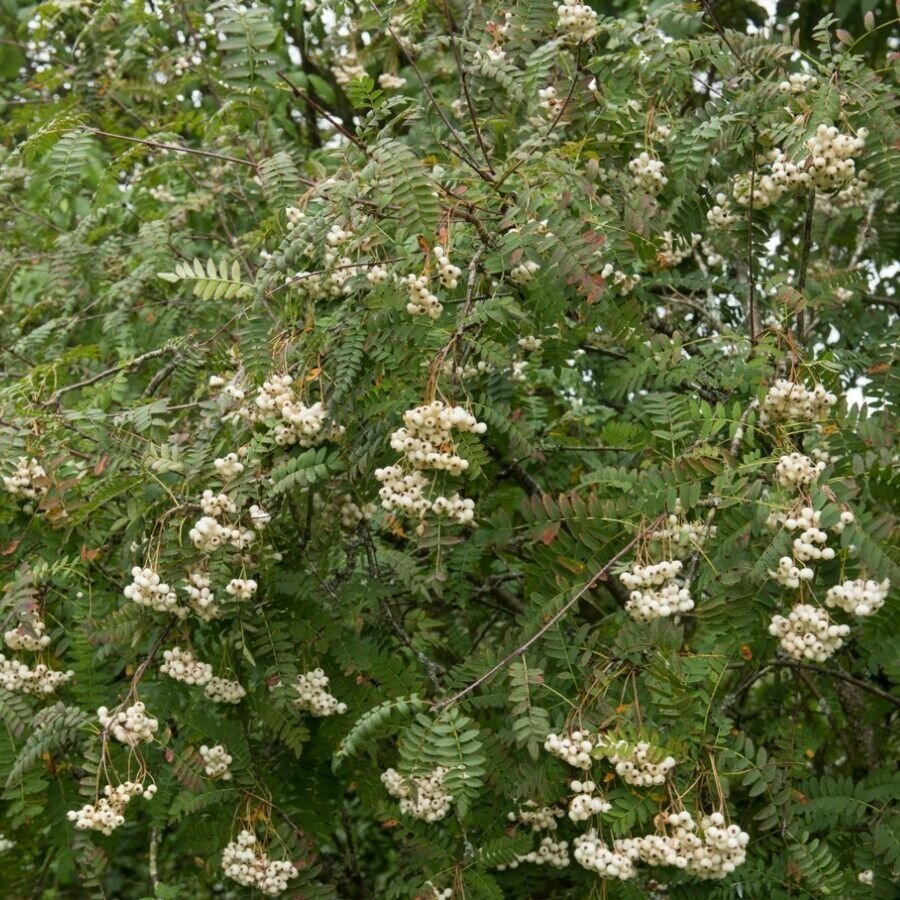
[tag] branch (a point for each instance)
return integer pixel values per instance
(804, 257)
(551, 622)
(177, 148)
(324, 112)
(113, 370)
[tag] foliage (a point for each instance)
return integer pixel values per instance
(198, 197)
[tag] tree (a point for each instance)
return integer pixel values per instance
(448, 449)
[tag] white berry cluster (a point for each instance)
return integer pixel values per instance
(586, 802)
(675, 249)
(621, 280)
(639, 764)
(351, 513)
(682, 535)
(524, 272)
(347, 68)
(28, 479)
(241, 588)
(659, 603)
(108, 813)
(130, 726)
(577, 19)
(530, 343)
(808, 633)
(867, 876)
(428, 429)
(548, 853)
(648, 174)
(539, 818)
(861, 597)
(247, 863)
(216, 761)
(294, 217)
(228, 467)
(791, 401)
(797, 470)
(549, 102)
(421, 796)
(259, 518)
(426, 442)
(217, 505)
(208, 534)
(775, 175)
(421, 300)
(832, 155)
(389, 81)
(797, 83)
(575, 749)
(6, 843)
(789, 574)
(592, 853)
(654, 592)
(297, 423)
(312, 688)
(17, 677)
(221, 690)
(720, 215)
(447, 272)
(200, 596)
(28, 635)
(181, 665)
(149, 590)
(377, 275)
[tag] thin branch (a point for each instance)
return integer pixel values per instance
(804, 257)
(106, 373)
(751, 305)
(176, 148)
(324, 112)
(839, 674)
(551, 622)
(707, 6)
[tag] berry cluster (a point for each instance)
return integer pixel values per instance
(130, 726)
(241, 588)
(447, 272)
(107, 813)
(216, 762)
(860, 597)
(577, 20)
(200, 597)
(297, 423)
(228, 467)
(17, 677)
(181, 665)
(421, 796)
(388, 81)
(592, 853)
(208, 534)
(421, 300)
(797, 470)
(149, 590)
(639, 764)
(548, 853)
(791, 401)
(377, 275)
(586, 802)
(576, 749)
(524, 272)
(221, 690)
(28, 480)
(217, 505)
(808, 633)
(675, 249)
(549, 102)
(720, 215)
(314, 697)
(28, 636)
(661, 596)
(6, 843)
(541, 818)
(681, 535)
(247, 863)
(797, 83)
(648, 174)
(832, 156)
(351, 513)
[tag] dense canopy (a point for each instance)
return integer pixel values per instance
(447, 449)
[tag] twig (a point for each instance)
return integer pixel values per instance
(722, 34)
(839, 674)
(522, 648)
(113, 370)
(175, 148)
(751, 304)
(152, 862)
(324, 112)
(804, 257)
